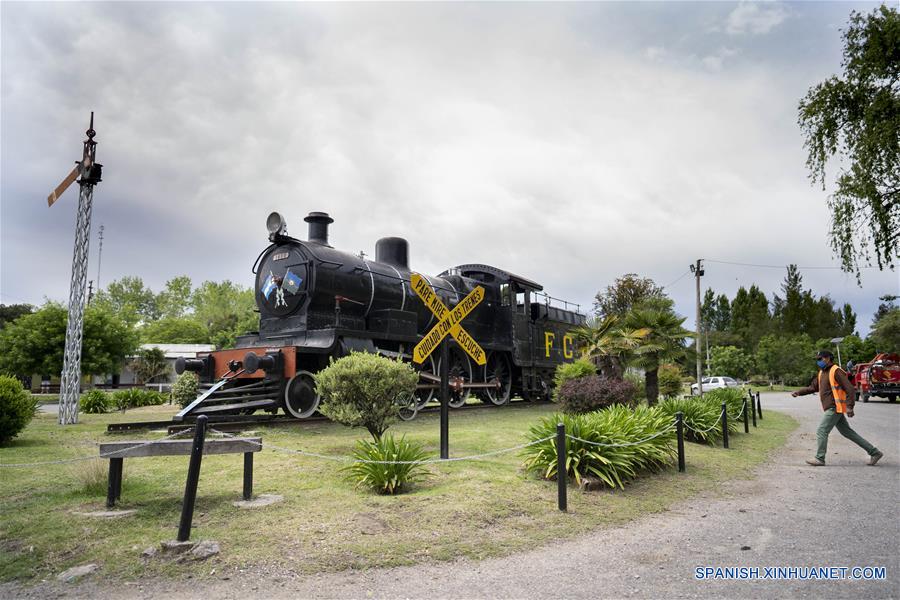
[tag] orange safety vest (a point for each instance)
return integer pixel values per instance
(840, 395)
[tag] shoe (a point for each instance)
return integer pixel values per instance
(875, 458)
(815, 462)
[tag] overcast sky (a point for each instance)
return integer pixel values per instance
(569, 143)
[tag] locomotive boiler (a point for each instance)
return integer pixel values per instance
(317, 303)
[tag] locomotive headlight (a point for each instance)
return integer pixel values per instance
(276, 225)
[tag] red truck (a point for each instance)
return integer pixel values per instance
(879, 377)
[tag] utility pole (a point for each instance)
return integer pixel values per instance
(99, 256)
(697, 270)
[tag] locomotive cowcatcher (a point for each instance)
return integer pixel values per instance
(317, 303)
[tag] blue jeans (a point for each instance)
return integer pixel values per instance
(830, 420)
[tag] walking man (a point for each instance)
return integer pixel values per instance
(838, 397)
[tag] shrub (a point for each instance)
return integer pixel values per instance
(732, 397)
(387, 478)
(640, 386)
(701, 418)
(569, 371)
(669, 381)
(95, 402)
(17, 407)
(185, 389)
(594, 392)
(136, 398)
(613, 464)
(363, 390)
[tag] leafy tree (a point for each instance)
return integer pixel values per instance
(790, 310)
(888, 303)
(731, 361)
(175, 300)
(750, 317)
(130, 300)
(175, 330)
(788, 359)
(886, 332)
(610, 345)
(627, 291)
(664, 341)
(35, 343)
(11, 312)
(856, 118)
(226, 310)
(150, 364)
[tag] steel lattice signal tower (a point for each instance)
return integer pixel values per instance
(90, 173)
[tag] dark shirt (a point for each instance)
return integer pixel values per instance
(822, 385)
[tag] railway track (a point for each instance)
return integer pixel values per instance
(243, 422)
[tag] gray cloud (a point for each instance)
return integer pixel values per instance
(544, 138)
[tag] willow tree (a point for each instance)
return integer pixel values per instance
(855, 121)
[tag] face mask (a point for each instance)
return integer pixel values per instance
(821, 363)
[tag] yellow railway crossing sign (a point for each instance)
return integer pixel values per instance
(448, 321)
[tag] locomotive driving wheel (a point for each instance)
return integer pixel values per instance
(497, 370)
(461, 371)
(300, 397)
(429, 367)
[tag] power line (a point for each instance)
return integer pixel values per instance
(680, 277)
(740, 264)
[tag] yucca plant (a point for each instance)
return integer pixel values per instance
(700, 416)
(613, 463)
(377, 464)
(733, 398)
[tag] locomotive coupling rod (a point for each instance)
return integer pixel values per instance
(461, 385)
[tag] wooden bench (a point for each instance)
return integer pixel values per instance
(117, 452)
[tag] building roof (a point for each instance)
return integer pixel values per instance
(181, 350)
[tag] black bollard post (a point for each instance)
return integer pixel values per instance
(193, 476)
(561, 482)
(679, 430)
(248, 475)
(759, 405)
(445, 400)
(753, 410)
(724, 425)
(746, 417)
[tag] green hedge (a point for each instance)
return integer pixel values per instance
(701, 417)
(17, 407)
(136, 398)
(95, 402)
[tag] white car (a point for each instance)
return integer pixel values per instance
(713, 383)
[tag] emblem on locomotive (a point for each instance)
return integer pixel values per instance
(317, 303)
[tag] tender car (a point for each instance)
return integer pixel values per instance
(713, 383)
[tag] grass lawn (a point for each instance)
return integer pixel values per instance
(774, 388)
(472, 509)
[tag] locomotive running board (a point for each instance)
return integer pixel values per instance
(187, 409)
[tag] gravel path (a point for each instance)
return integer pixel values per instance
(790, 515)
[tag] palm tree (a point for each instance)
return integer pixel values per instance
(664, 341)
(607, 343)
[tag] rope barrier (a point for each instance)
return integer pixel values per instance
(719, 420)
(347, 459)
(663, 432)
(112, 454)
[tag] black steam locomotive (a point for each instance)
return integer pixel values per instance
(317, 303)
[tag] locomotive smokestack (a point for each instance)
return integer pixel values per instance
(318, 227)
(393, 251)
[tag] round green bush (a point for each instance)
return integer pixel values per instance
(185, 389)
(569, 371)
(95, 402)
(16, 408)
(363, 390)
